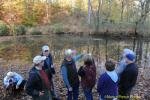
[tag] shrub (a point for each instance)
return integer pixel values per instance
(4, 30)
(20, 30)
(35, 32)
(57, 28)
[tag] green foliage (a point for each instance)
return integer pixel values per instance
(58, 27)
(20, 30)
(4, 30)
(35, 32)
(29, 21)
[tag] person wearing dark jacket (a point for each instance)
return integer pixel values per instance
(88, 76)
(38, 85)
(128, 78)
(108, 83)
(48, 62)
(48, 65)
(70, 74)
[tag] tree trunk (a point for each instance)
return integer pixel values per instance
(89, 12)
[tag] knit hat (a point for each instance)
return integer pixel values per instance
(127, 51)
(130, 57)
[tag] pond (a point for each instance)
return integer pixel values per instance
(23, 49)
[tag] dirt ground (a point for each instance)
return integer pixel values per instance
(140, 92)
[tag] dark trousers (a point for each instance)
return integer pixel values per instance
(124, 95)
(88, 94)
(12, 87)
(73, 95)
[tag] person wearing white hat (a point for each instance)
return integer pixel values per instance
(70, 75)
(38, 84)
(48, 65)
(48, 62)
(13, 79)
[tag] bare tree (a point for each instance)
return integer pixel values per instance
(145, 9)
(89, 12)
(48, 2)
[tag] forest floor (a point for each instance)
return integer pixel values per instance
(140, 92)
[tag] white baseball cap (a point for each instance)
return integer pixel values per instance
(45, 47)
(10, 74)
(68, 52)
(38, 59)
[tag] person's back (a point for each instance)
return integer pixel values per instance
(88, 80)
(122, 64)
(107, 86)
(87, 72)
(108, 82)
(128, 77)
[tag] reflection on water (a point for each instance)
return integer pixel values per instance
(23, 49)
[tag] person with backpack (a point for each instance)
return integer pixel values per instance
(107, 86)
(39, 84)
(87, 72)
(70, 74)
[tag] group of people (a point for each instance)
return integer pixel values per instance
(116, 83)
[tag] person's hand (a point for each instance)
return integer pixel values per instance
(17, 86)
(70, 89)
(41, 93)
(52, 66)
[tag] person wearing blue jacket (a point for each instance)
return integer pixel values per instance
(70, 74)
(15, 80)
(48, 62)
(48, 65)
(108, 83)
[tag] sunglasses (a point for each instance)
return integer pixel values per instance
(46, 51)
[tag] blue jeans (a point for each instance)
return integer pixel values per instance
(88, 94)
(73, 95)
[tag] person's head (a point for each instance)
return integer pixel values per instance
(10, 74)
(88, 59)
(127, 51)
(110, 65)
(74, 52)
(68, 54)
(130, 58)
(39, 61)
(45, 50)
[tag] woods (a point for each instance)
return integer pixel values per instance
(98, 16)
